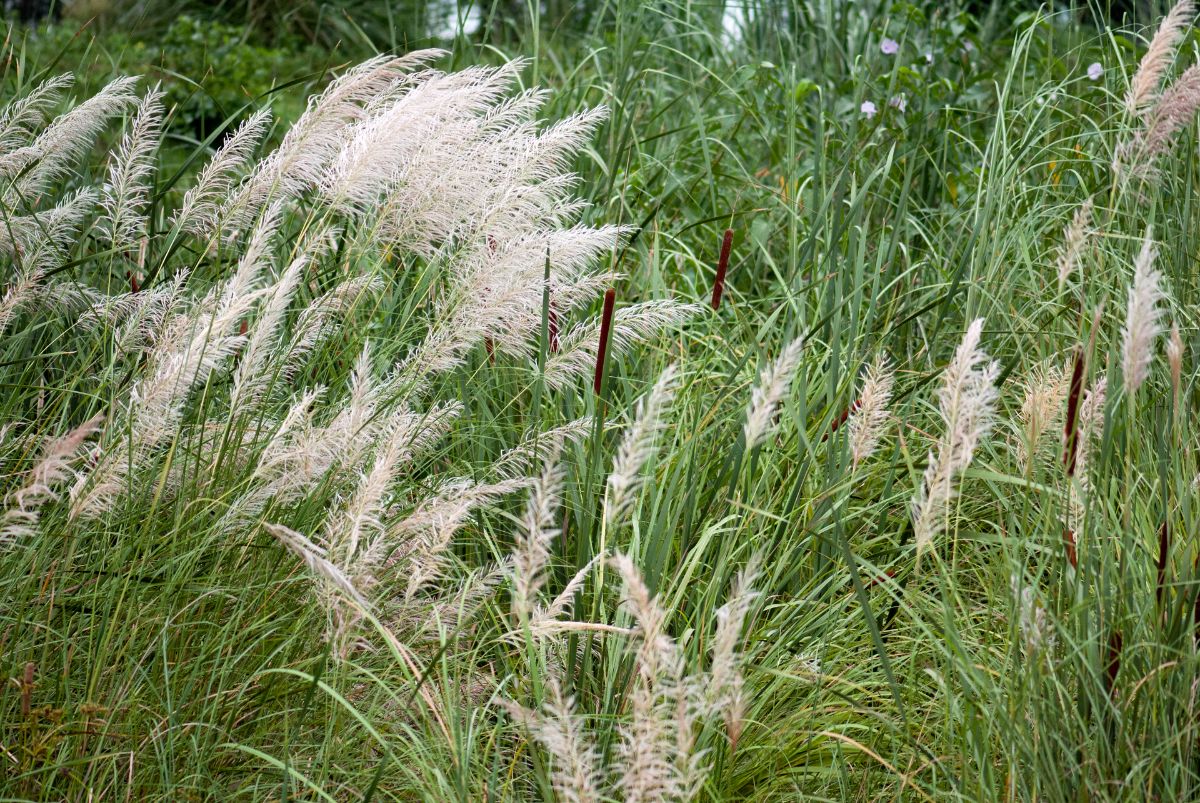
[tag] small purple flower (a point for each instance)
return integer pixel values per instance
(868, 109)
(899, 102)
(1095, 71)
(889, 47)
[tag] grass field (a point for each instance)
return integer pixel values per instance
(316, 485)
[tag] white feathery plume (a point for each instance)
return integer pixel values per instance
(496, 295)
(1033, 622)
(658, 760)
(1075, 238)
(573, 758)
(535, 533)
(254, 374)
(38, 243)
(1045, 392)
(1175, 352)
(199, 211)
(432, 526)
(966, 402)
(319, 134)
(631, 325)
(516, 461)
(870, 413)
(52, 155)
(726, 688)
(1143, 89)
(51, 470)
(314, 558)
(125, 196)
(1143, 319)
(773, 385)
(1175, 109)
(21, 118)
(637, 447)
(194, 344)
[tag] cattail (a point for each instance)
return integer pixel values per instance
(1074, 396)
(638, 447)
(773, 384)
(1112, 662)
(1142, 321)
(870, 414)
(1143, 88)
(1075, 238)
(629, 326)
(1069, 545)
(966, 402)
(610, 297)
(722, 266)
(1164, 549)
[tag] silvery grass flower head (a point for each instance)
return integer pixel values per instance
(889, 47)
(868, 109)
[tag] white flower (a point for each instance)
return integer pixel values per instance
(889, 47)
(868, 109)
(929, 57)
(1095, 71)
(899, 102)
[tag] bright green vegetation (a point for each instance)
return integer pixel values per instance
(176, 656)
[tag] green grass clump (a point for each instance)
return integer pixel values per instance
(309, 495)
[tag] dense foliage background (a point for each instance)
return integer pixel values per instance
(890, 172)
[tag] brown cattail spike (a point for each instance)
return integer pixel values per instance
(1112, 663)
(1164, 548)
(610, 298)
(722, 266)
(1069, 543)
(1071, 430)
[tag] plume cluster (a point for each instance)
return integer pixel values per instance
(966, 403)
(870, 414)
(1143, 318)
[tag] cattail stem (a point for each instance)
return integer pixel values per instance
(1071, 429)
(722, 266)
(610, 298)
